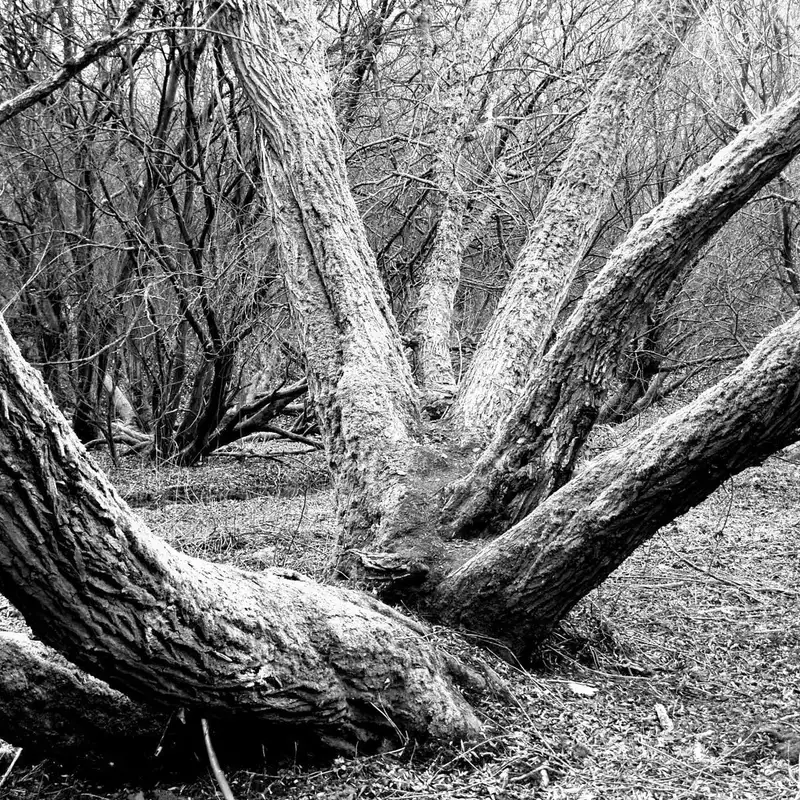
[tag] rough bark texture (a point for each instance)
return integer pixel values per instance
(451, 106)
(52, 709)
(358, 375)
(437, 293)
(173, 631)
(522, 583)
(566, 224)
(534, 452)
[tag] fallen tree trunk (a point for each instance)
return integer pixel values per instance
(55, 711)
(521, 584)
(52, 709)
(176, 632)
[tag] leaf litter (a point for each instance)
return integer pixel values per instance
(678, 678)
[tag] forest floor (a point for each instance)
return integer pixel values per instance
(660, 685)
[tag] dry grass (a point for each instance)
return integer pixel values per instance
(703, 621)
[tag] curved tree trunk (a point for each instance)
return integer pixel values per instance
(568, 221)
(522, 583)
(535, 450)
(173, 631)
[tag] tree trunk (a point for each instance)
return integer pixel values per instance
(274, 649)
(52, 709)
(454, 103)
(569, 219)
(535, 450)
(358, 375)
(172, 631)
(433, 314)
(522, 583)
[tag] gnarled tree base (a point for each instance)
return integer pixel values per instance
(55, 711)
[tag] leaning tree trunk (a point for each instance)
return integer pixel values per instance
(535, 450)
(173, 631)
(358, 375)
(522, 583)
(569, 219)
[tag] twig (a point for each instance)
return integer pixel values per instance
(10, 766)
(90, 53)
(750, 590)
(295, 437)
(219, 775)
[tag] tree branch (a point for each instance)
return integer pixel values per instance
(94, 50)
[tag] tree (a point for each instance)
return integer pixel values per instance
(276, 648)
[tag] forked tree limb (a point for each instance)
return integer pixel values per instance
(535, 449)
(522, 583)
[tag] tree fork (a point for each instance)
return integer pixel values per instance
(174, 631)
(535, 449)
(521, 584)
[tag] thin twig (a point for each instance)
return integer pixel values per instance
(10, 766)
(749, 590)
(219, 775)
(295, 437)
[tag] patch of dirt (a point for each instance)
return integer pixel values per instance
(239, 473)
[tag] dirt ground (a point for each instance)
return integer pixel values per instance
(678, 678)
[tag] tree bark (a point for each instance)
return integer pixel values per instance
(572, 211)
(52, 709)
(173, 631)
(358, 375)
(521, 584)
(433, 314)
(535, 450)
